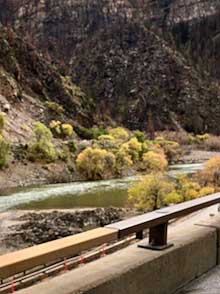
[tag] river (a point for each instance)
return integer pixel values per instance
(80, 194)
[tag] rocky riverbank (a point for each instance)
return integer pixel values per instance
(31, 228)
(30, 174)
(196, 156)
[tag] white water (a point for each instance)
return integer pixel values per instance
(66, 192)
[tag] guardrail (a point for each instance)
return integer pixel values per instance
(156, 221)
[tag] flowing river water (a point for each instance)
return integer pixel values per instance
(80, 194)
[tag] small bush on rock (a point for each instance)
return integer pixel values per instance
(2, 122)
(90, 134)
(62, 130)
(54, 107)
(4, 152)
(41, 149)
(139, 135)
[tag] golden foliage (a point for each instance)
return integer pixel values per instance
(132, 148)
(61, 129)
(202, 138)
(210, 174)
(119, 133)
(96, 164)
(67, 130)
(154, 162)
(150, 193)
(154, 192)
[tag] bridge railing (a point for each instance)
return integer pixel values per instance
(156, 221)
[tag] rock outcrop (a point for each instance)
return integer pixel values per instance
(123, 55)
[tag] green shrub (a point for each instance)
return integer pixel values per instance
(72, 147)
(154, 162)
(63, 153)
(96, 164)
(119, 133)
(4, 152)
(54, 107)
(41, 149)
(41, 132)
(2, 122)
(89, 134)
(139, 135)
(150, 193)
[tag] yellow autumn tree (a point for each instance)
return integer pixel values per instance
(150, 193)
(96, 164)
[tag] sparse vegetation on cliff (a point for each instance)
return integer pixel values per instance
(41, 149)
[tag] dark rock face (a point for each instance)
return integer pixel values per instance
(24, 68)
(43, 227)
(128, 71)
(132, 72)
(57, 26)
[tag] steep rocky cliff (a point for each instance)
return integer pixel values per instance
(116, 51)
(27, 80)
(132, 73)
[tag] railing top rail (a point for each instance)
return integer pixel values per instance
(160, 216)
(17, 262)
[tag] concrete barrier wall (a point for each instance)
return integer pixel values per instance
(139, 271)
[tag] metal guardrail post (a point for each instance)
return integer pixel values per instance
(140, 235)
(157, 238)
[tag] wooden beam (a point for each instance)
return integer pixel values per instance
(19, 261)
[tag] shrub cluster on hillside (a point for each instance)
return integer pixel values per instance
(41, 149)
(4, 145)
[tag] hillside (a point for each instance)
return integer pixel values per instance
(132, 72)
(126, 69)
(27, 81)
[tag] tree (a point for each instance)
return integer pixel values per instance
(96, 164)
(150, 193)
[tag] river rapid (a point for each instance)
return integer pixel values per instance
(80, 194)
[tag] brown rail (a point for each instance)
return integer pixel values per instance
(157, 221)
